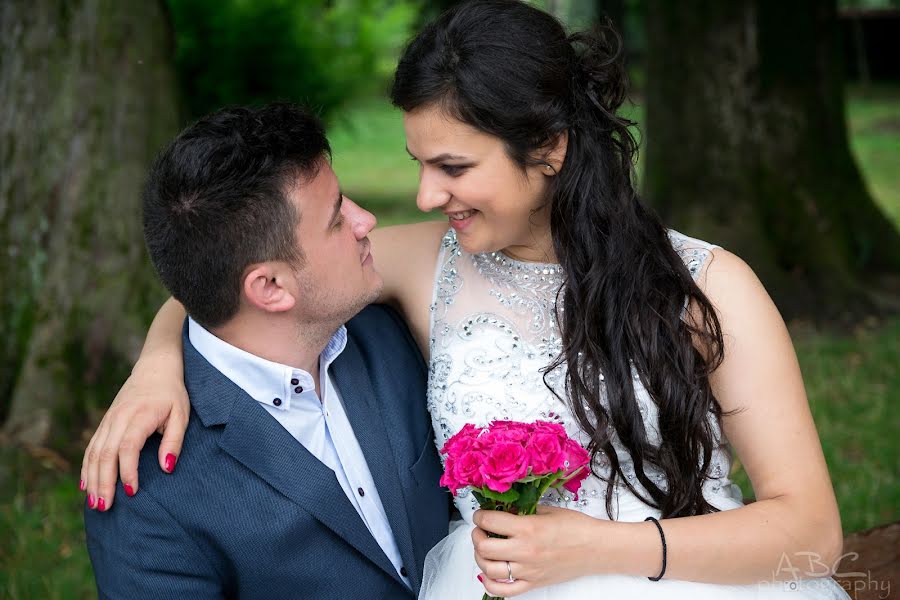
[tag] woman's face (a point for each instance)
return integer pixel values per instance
(467, 175)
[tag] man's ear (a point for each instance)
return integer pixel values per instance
(267, 286)
(557, 153)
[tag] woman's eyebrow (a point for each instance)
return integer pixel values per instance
(439, 158)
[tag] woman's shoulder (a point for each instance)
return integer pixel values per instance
(710, 264)
(695, 253)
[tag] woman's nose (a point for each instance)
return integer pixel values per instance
(431, 194)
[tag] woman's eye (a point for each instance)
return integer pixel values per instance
(453, 170)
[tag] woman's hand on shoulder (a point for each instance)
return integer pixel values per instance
(150, 401)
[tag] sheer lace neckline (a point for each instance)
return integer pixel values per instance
(500, 268)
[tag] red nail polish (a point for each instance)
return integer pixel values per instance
(481, 578)
(81, 485)
(101, 504)
(171, 459)
(90, 501)
(129, 490)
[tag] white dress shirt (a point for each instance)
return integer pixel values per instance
(320, 424)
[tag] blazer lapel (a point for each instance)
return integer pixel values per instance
(256, 440)
(361, 405)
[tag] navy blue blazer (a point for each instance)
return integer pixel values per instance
(250, 513)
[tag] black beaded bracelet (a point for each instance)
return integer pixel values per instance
(663, 538)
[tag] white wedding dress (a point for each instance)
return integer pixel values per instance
(493, 330)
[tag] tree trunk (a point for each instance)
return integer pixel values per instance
(747, 147)
(89, 97)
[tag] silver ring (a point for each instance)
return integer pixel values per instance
(509, 577)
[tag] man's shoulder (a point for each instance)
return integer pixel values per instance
(378, 322)
(379, 334)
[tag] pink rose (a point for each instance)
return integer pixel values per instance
(574, 484)
(464, 440)
(497, 435)
(545, 453)
(576, 456)
(506, 463)
(551, 428)
(467, 469)
(447, 478)
(577, 469)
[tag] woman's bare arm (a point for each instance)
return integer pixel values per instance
(152, 399)
(405, 256)
(792, 529)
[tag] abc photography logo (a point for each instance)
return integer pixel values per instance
(810, 573)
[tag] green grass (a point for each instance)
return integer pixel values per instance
(853, 383)
(853, 380)
(43, 552)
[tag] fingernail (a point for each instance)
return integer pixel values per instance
(81, 485)
(481, 578)
(171, 459)
(129, 490)
(101, 504)
(90, 501)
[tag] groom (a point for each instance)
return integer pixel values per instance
(310, 469)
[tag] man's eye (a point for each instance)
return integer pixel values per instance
(338, 222)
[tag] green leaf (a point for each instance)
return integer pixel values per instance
(528, 499)
(507, 497)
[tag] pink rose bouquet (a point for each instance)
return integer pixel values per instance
(509, 465)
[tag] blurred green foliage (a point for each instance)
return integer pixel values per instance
(316, 52)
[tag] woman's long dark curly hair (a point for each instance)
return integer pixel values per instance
(510, 70)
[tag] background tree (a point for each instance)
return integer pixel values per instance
(88, 98)
(317, 52)
(747, 146)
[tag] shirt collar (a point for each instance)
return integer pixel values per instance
(265, 381)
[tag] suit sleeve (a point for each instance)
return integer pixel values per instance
(139, 551)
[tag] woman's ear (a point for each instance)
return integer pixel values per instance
(557, 154)
(267, 287)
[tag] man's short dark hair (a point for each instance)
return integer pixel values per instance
(216, 201)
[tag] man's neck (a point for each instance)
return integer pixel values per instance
(279, 340)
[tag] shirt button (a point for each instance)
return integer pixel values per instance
(404, 572)
(277, 401)
(361, 491)
(299, 389)
(295, 381)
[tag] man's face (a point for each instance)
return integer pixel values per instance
(337, 278)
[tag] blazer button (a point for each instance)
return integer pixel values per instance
(404, 572)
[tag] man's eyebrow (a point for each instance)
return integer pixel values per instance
(337, 208)
(439, 158)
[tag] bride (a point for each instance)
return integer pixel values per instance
(555, 294)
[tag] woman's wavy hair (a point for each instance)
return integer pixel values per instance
(510, 70)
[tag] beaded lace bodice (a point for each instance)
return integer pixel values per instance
(493, 330)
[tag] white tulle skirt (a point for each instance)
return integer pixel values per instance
(450, 574)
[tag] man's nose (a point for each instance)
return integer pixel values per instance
(363, 221)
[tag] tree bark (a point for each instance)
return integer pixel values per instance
(747, 147)
(89, 97)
